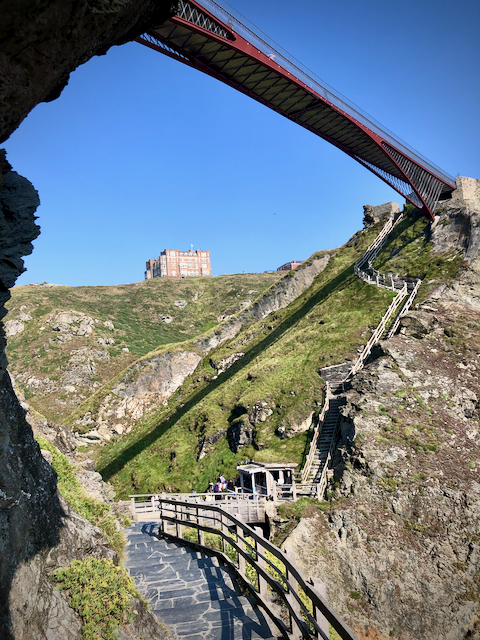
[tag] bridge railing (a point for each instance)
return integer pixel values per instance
(264, 569)
(238, 23)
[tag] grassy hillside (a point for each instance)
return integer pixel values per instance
(279, 368)
(137, 312)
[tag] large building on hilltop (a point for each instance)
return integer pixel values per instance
(173, 263)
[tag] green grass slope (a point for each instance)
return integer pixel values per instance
(185, 445)
(136, 311)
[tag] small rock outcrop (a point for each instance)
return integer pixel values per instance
(372, 215)
(241, 433)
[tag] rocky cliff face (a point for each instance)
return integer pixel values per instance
(152, 381)
(42, 42)
(459, 229)
(30, 512)
(399, 545)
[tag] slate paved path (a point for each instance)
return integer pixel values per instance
(189, 591)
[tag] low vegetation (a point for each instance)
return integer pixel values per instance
(97, 512)
(280, 367)
(144, 316)
(101, 593)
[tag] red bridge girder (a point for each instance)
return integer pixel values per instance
(203, 35)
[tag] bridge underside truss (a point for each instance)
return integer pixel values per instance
(205, 36)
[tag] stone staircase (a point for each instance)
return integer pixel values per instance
(190, 592)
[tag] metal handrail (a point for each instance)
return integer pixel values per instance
(253, 549)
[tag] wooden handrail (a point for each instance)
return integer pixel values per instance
(406, 307)
(313, 444)
(302, 622)
(379, 331)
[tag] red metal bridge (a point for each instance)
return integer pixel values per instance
(204, 35)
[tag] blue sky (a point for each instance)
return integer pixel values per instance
(141, 153)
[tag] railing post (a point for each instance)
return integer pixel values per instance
(294, 490)
(162, 523)
(293, 587)
(201, 534)
(262, 583)
(132, 507)
(319, 617)
(178, 526)
(153, 504)
(241, 544)
(224, 531)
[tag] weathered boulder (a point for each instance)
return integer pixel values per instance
(417, 324)
(72, 323)
(206, 443)
(12, 327)
(259, 412)
(241, 433)
(293, 428)
(226, 363)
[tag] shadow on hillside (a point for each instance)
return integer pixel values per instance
(132, 451)
(395, 234)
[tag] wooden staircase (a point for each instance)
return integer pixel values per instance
(312, 480)
(315, 483)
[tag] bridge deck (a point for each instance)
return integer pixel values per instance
(211, 39)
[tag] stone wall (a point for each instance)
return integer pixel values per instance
(467, 192)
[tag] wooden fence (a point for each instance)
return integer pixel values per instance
(270, 574)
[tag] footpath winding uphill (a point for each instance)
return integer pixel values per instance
(189, 591)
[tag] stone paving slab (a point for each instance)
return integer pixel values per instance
(190, 592)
